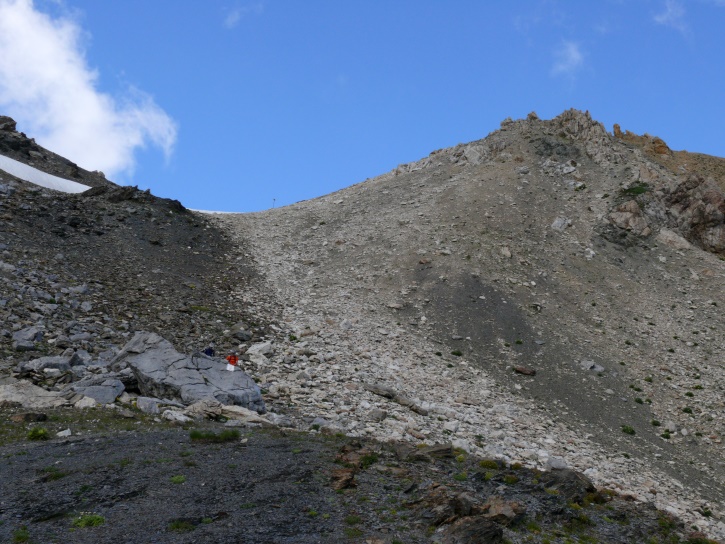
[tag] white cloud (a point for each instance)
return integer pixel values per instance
(568, 59)
(672, 16)
(47, 86)
(235, 15)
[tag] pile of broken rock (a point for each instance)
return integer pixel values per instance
(148, 373)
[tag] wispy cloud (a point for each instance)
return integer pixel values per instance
(236, 14)
(673, 16)
(568, 58)
(47, 85)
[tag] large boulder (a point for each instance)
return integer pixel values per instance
(25, 394)
(102, 389)
(163, 372)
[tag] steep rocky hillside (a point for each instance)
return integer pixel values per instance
(467, 343)
(550, 295)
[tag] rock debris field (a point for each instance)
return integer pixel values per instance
(513, 340)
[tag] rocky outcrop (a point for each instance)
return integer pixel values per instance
(629, 216)
(697, 208)
(162, 371)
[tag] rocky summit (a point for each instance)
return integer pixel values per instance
(518, 339)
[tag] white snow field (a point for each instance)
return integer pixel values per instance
(35, 176)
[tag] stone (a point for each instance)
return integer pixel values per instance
(240, 332)
(628, 216)
(572, 486)
(86, 402)
(377, 414)
(526, 371)
(670, 426)
(148, 405)
(63, 434)
(27, 395)
(502, 511)
(451, 426)
(176, 417)
(560, 223)
(556, 463)
(60, 363)
(101, 389)
(672, 239)
(473, 530)
(591, 365)
(30, 334)
(161, 371)
(280, 420)
(28, 417)
(262, 348)
(245, 415)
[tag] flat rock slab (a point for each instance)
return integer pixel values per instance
(102, 390)
(27, 395)
(163, 372)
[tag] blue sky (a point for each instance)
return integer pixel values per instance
(236, 105)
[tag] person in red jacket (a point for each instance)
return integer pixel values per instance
(232, 361)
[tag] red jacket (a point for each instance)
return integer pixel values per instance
(232, 360)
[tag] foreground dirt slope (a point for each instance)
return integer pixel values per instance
(550, 245)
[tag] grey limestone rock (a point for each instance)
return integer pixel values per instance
(162, 371)
(102, 389)
(38, 365)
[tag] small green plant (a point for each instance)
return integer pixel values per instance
(510, 479)
(648, 379)
(38, 433)
(488, 463)
(21, 535)
(312, 513)
(656, 423)
(368, 460)
(635, 190)
(181, 526)
(207, 521)
(519, 342)
(628, 429)
(460, 477)
(352, 519)
(439, 354)
(689, 394)
(639, 400)
(292, 338)
(353, 532)
(666, 435)
(460, 458)
(457, 352)
(53, 473)
(228, 435)
(88, 519)
(178, 479)
(687, 410)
